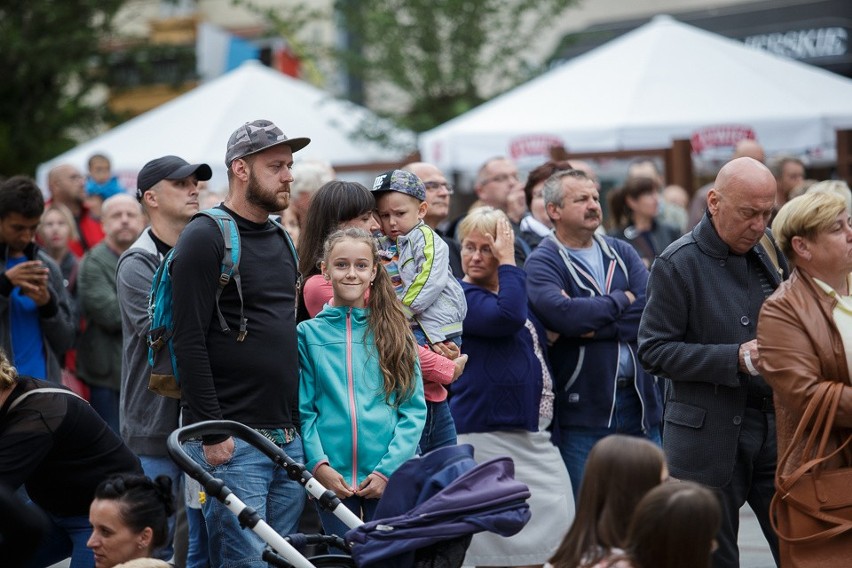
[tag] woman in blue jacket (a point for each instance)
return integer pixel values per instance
(361, 397)
(503, 402)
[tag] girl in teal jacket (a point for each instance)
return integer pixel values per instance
(361, 399)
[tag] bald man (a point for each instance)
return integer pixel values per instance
(698, 332)
(99, 350)
(67, 186)
(745, 148)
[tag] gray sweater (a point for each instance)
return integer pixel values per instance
(146, 418)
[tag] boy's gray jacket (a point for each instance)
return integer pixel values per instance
(431, 295)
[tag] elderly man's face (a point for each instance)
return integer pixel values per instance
(437, 193)
(741, 212)
(498, 180)
(580, 212)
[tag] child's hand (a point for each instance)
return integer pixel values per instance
(503, 245)
(373, 487)
(332, 480)
(447, 349)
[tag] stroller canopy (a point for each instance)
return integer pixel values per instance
(441, 496)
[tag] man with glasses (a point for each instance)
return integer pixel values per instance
(438, 192)
(498, 185)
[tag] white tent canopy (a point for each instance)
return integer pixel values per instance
(196, 126)
(663, 81)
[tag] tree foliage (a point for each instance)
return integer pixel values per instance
(446, 55)
(47, 54)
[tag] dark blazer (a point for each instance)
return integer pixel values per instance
(697, 314)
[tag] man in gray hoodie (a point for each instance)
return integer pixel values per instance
(168, 191)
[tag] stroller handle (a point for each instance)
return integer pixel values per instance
(228, 428)
(215, 488)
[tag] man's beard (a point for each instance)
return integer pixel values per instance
(266, 200)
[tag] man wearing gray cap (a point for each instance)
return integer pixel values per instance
(167, 188)
(253, 376)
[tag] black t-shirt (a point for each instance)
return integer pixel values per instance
(255, 381)
(59, 448)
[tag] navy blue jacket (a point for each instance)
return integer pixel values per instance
(501, 386)
(586, 368)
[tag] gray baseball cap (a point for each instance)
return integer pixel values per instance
(258, 135)
(401, 181)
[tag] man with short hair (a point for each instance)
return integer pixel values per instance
(789, 173)
(37, 323)
(498, 185)
(590, 290)
(67, 186)
(168, 191)
(698, 332)
(438, 192)
(248, 372)
(99, 351)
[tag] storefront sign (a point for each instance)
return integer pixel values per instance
(803, 44)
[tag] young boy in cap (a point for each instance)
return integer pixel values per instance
(417, 260)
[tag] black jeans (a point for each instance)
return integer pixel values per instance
(753, 482)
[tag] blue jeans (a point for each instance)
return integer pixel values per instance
(420, 337)
(155, 466)
(106, 403)
(66, 537)
(365, 509)
(258, 483)
(439, 430)
(198, 555)
(576, 442)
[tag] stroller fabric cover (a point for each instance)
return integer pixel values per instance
(441, 496)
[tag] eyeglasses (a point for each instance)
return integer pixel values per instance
(470, 250)
(436, 185)
(501, 178)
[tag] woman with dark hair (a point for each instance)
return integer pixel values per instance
(620, 470)
(674, 526)
(336, 205)
(537, 225)
(633, 214)
(130, 518)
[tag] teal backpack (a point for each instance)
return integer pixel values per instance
(165, 379)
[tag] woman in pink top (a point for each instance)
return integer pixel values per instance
(341, 205)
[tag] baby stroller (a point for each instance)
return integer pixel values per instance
(431, 507)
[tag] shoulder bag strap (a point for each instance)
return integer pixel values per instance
(45, 390)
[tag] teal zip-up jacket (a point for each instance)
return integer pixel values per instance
(345, 419)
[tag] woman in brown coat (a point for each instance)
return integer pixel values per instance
(804, 331)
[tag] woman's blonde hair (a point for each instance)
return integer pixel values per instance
(805, 216)
(73, 233)
(8, 372)
(392, 335)
(482, 220)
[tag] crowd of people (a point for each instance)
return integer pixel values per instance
(605, 361)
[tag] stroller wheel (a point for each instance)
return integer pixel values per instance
(332, 561)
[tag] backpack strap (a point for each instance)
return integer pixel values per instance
(230, 265)
(276, 221)
(46, 390)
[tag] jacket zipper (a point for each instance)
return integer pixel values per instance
(351, 385)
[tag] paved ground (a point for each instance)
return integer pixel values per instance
(754, 553)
